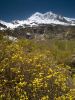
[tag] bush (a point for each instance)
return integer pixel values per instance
(30, 73)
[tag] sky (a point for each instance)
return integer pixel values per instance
(22, 9)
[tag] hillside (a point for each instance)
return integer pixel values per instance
(32, 69)
(37, 58)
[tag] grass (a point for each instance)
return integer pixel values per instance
(36, 70)
(73, 77)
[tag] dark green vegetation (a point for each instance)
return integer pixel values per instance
(37, 70)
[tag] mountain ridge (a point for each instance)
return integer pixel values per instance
(39, 18)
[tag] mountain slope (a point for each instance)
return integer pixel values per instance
(37, 19)
(50, 18)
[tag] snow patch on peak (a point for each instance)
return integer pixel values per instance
(37, 13)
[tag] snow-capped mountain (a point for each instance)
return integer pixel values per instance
(5, 25)
(50, 18)
(37, 19)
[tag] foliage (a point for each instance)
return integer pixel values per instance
(29, 71)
